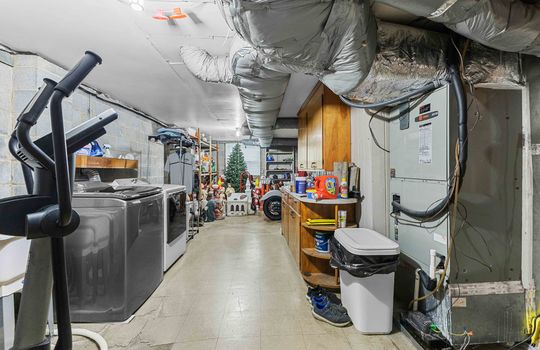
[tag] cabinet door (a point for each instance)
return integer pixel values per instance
(294, 236)
(315, 132)
(302, 141)
(285, 220)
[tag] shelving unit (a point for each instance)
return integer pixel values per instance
(207, 177)
(212, 148)
(282, 164)
(89, 162)
(296, 210)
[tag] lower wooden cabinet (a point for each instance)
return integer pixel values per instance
(314, 266)
(294, 235)
(290, 225)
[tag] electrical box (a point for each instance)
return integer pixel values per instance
(483, 291)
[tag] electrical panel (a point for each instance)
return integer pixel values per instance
(487, 230)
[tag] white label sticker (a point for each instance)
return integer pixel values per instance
(425, 143)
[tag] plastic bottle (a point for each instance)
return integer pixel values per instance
(344, 189)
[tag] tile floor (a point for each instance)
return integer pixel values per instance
(237, 288)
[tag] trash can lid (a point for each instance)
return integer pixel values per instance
(363, 241)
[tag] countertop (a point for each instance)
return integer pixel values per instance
(302, 198)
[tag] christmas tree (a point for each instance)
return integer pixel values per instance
(235, 166)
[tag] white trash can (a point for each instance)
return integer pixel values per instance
(369, 299)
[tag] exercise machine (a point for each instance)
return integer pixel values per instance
(45, 215)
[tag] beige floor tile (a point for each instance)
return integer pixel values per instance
(200, 327)
(237, 287)
(150, 308)
(207, 303)
(282, 342)
(326, 342)
(177, 305)
(280, 325)
(245, 343)
(121, 334)
(209, 344)
(162, 330)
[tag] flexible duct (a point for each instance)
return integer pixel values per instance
(261, 89)
(507, 25)
(408, 59)
(331, 39)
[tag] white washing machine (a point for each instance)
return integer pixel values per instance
(176, 216)
(175, 223)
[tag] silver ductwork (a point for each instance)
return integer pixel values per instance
(507, 25)
(334, 40)
(408, 58)
(261, 89)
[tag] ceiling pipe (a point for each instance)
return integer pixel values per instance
(334, 40)
(261, 89)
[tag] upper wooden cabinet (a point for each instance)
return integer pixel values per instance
(324, 131)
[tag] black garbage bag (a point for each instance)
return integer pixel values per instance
(361, 265)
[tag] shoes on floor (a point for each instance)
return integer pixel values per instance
(329, 312)
(318, 292)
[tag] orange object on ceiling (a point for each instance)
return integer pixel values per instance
(178, 14)
(160, 16)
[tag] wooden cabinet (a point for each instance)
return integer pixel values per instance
(324, 131)
(285, 217)
(290, 224)
(294, 235)
(299, 235)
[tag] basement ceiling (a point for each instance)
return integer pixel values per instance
(141, 65)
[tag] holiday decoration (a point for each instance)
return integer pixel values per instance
(236, 165)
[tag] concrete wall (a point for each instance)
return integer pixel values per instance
(374, 169)
(21, 76)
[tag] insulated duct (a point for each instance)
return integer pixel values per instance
(506, 25)
(331, 39)
(409, 58)
(261, 89)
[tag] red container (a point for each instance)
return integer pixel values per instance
(326, 187)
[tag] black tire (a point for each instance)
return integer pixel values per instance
(272, 208)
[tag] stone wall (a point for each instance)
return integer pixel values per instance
(21, 76)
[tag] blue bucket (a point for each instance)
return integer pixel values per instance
(322, 242)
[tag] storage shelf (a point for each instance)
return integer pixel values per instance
(279, 161)
(321, 279)
(314, 253)
(280, 170)
(89, 162)
(279, 152)
(326, 228)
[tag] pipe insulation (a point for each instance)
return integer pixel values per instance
(409, 59)
(334, 40)
(506, 25)
(261, 89)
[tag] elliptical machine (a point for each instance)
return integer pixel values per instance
(45, 214)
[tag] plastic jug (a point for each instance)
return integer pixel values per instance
(326, 187)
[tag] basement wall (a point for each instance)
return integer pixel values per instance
(22, 75)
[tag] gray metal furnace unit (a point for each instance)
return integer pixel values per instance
(483, 290)
(115, 258)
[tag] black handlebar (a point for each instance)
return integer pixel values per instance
(77, 74)
(27, 120)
